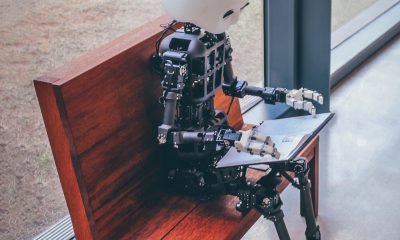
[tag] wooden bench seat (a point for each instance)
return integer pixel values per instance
(101, 113)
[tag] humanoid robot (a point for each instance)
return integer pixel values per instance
(195, 62)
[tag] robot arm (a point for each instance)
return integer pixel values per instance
(250, 141)
(296, 99)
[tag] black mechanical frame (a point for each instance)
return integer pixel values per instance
(194, 64)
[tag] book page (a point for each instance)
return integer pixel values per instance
(286, 145)
(294, 126)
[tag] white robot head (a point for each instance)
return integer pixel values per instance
(214, 16)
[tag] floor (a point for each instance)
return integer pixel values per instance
(37, 36)
(359, 166)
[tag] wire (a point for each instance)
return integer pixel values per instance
(167, 27)
(230, 106)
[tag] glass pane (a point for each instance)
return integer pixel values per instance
(247, 43)
(344, 10)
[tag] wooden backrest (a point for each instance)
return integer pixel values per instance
(101, 113)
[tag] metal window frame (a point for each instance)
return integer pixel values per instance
(297, 40)
(319, 70)
(297, 45)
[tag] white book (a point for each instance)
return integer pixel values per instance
(290, 135)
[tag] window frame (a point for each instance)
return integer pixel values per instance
(380, 21)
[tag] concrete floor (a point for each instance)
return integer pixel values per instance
(359, 162)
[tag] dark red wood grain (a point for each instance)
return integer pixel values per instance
(101, 113)
(60, 141)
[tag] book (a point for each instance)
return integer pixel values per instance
(290, 135)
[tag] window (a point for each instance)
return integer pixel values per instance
(247, 43)
(343, 11)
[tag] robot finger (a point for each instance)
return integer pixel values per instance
(262, 149)
(301, 105)
(271, 150)
(313, 95)
(295, 94)
(243, 144)
(255, 148)
(261, 137)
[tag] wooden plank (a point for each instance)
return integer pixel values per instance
(60, 141)
(101, 112)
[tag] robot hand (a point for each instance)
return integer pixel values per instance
(255, 142)
(295, 99)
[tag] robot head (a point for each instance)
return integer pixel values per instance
(214, 16)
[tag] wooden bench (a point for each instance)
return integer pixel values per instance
(101, 113)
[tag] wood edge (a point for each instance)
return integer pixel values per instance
(253, 217)
(316, 179)
(74, 159)
(43, 79)
(103, 53)
(63, 157)
(308, 151)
